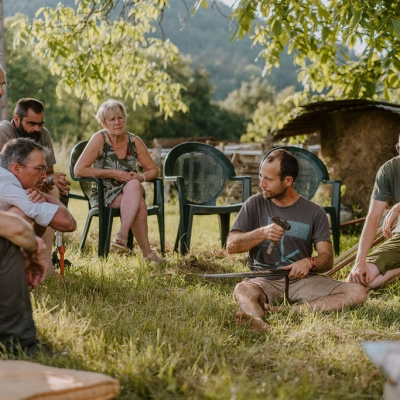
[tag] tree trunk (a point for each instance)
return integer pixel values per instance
(3, 100)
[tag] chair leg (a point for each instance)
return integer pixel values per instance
(224, 220)
(105, 226)
(187, 237)
(177, 241)
(336, 237)
(180, 242)
(107, 238)
(161, 228)
(85, 232)
(92, 213)
(184, 244)
(335, 227)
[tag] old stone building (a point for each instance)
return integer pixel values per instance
(356, 137)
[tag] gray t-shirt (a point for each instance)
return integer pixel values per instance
(309, 225)
(387, 185)
(8, 132)
(387, 182)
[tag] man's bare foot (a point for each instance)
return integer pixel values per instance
(269, 309)
(257, 324)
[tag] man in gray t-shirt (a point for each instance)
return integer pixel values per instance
(382, 266)
(254, 230)
(28, 122)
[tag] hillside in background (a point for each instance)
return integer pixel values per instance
(206, 38)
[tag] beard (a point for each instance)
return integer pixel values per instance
(275, 195)
(23, 133)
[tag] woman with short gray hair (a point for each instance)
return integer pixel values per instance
(114, 154)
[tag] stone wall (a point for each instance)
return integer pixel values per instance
(354, 144)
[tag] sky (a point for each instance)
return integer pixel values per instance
(228, 2)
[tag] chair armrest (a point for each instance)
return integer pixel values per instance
(246, 182)
(170, 178)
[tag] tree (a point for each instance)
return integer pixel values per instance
(106, 48)
(3, 102)
(266, 115)
(28, 76)
(204, 118)
(322, 35)
(244, 101)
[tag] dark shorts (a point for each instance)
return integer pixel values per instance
(387, 255)
(300, 290)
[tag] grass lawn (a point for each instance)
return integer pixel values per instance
(167, 334)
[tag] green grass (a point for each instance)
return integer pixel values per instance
(167, 334)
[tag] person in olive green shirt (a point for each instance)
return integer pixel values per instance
(382, 266)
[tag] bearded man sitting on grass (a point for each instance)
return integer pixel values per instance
(253, 231)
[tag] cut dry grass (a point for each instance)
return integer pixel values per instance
(166, 333)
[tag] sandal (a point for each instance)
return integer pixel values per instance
(119, 244)
(153, 258)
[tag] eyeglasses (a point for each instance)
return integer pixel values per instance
(3, 85)
(398, 147)
(41, 168)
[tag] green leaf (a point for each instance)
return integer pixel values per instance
(396, 63)
(356, 19)
(396, 25)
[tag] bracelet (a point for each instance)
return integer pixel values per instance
(144, 177)
(312, 262)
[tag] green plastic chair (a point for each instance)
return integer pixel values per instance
(312, 174)
(200, 173)
(106, 214)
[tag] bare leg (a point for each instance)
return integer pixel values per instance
(133, 211)
(377, 279)
(128, 202)
(140, 229)
(251, 300)
(346, 294)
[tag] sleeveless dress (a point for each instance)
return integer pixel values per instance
(109, 160)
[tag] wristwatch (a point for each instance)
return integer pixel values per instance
(49, 180)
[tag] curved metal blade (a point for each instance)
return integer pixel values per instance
(248, 274)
